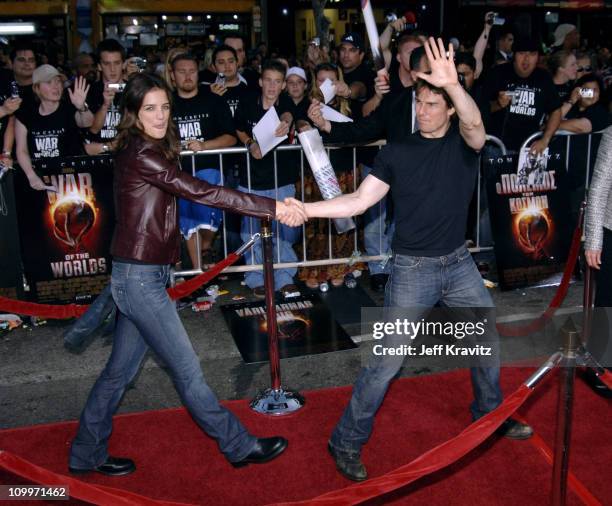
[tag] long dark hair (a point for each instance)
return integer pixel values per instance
(133, 96)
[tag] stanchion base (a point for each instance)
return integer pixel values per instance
(277, 402)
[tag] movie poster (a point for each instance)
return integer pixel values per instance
(530, 217)
(305, 327)
(65, 234)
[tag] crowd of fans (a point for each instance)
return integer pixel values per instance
(74, 108)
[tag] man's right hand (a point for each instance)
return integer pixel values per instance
(381, 83)
(218, 89)
(108, 95)
(316, 116)
(10, 105)
(503, 99)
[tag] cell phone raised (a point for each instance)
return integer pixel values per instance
(587, 92)
(119, 87)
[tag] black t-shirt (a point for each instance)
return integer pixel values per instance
(54, 135)
(250, 111)
(365, 75)
(234, 94)
(564, 90)
(433, 181)
(95, 100)
(252, 78)
(536, 96)
(203, 117)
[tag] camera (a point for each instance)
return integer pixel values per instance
(586, 92)
(220, 80)
(14, 90)
(495, 19)
(391, 17)
(119, 87)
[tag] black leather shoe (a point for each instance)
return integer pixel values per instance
(349, 466)
(265, 450)
(513, 429)
(378, 282)
(113, 466)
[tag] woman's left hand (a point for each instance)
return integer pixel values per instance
(79, 95)
(593, 258)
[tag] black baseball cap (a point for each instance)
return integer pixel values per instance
(353, 38)
(526, 43)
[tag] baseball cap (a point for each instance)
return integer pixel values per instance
(525, 44)
(352, 38)
(297, 71)
(561, 32)
(44, 74)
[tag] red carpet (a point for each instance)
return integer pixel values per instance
(177, 463)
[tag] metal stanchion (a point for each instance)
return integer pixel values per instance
(274, 400)
(565, 405)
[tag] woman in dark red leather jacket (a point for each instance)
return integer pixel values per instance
(145, 244)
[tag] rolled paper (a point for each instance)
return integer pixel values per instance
(372, 31)
(323, 173)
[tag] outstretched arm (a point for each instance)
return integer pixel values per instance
(369, 193)
(444, 75)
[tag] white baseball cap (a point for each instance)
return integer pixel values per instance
(44, 74)
(561, 32)
(297, 71)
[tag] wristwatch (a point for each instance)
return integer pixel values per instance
(85, 108)
(105, 148)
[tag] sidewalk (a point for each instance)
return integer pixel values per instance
(41, 382)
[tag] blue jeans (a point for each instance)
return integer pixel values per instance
(284, 238)
(148, 319)
(417, 284)
(99, 310)
(376, 235)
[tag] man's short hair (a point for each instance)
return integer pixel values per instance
(110, 46)
(407, 36)
(234, 36)
(183, 57)
(80, 58)
(24, 45)
(421, 83)
(465, 59)
(415, 58)
(221, 48)
(275, 65)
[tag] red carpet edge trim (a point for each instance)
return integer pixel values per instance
(74, 310)
(94, 494)
(429, 462)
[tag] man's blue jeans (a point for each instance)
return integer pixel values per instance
(377, 236)
(417, 284)
(283, 239)
(148, 319)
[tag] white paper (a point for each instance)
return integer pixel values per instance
(264, 132)
(531, 169)
(333, 115)
(328, 89)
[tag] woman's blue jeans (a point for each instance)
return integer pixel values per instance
(417, 284)
(148, 319)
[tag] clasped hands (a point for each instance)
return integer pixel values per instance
(291, 212)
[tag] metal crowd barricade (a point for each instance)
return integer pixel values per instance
(359, 257)
(304, 262)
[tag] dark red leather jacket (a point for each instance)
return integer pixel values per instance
(146, 185)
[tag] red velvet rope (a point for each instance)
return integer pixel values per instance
(606, 378)
(74, 310)
(435, 459)
(538, 323)
(94, 494)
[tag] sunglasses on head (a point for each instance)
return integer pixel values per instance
(584, 69)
